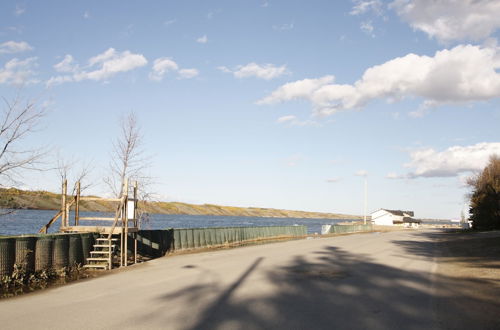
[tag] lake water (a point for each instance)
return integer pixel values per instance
(30, 221)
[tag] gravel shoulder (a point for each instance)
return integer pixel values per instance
(470, 263)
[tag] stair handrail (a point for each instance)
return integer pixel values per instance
(117, 213)
(45, 228)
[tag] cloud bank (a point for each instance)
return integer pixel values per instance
(19, 72)
(451, 162)
(261, 71)
(11, 47)
(462, 74)
(100, 67)
(450, 20)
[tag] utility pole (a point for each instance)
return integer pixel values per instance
(366, 199)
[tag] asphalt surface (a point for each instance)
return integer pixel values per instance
(362, 281)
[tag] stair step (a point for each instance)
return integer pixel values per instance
(100, 252)
(101, 265)
(104, 245)
(105, 239)
(97, 259)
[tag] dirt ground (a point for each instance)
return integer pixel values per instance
(472, 261)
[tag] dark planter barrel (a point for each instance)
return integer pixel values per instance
(43, 252)
(7, 255)
(87, 245)
(61, 251)
(25, 252)
(75, 256)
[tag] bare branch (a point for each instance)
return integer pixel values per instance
(67, 170)
(17, 120)
(127, 157)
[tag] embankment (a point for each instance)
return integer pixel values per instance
(43, 200)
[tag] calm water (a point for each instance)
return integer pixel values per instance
(30, 221)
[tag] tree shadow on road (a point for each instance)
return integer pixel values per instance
(337, 289)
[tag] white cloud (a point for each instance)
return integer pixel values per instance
(265, 4)
(224, 69)
(162, 66)
(463, 74)
(19, 72)
(100, 67)
(361, 173)
(188, 73)
(285, 119)
(101, 58)
(169, 22)
(449, 20)
(362, 7)
(283, 27)
(19, 10)
(66, 65)
(86, 14)
(294, 121)
(202, 40)
(58, 80)
(11, 47)
(333, 180)
(452, 161)
(262, 71)
(301, 89)
(211, 14)
(112, 62)
(367, 27)
(393, 176)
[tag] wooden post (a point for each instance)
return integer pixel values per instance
(121, 244)
(135, 248)
(63, 203)
(77, 206)
(110, 255)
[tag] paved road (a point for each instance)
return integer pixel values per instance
(363, 281)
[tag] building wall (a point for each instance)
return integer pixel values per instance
(383, 218)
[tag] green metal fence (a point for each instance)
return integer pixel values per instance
(341, 229)
(40, 252)
(155, 243)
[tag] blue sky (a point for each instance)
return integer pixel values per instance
(282, 104)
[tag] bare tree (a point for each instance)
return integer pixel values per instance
(18, 118)
(68, 169)
(128, 159)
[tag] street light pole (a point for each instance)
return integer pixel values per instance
(366, 199)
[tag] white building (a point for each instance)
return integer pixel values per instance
(386, 217)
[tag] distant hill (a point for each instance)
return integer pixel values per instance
(43, 200)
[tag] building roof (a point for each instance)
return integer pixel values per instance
(399, 212)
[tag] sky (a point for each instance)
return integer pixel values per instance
(280, 104)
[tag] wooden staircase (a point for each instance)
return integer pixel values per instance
(102, 255)
(124, 224)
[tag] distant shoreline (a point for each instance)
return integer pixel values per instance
(42, 200)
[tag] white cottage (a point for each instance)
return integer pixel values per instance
(386, 217)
